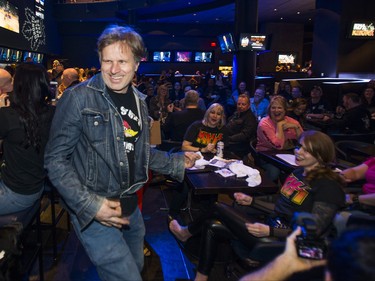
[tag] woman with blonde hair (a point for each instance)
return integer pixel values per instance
(277, 131)
(313, 188)
(204, 135)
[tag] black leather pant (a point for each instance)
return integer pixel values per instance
(230, 224)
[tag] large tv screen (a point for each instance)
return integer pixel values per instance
(287, 58)
(203, 57)
(39, 8)
(5, 54)
(362, 29)
(16, 56)
(183, 56)
(252, 42)
(226, 43)
(35, 57)
(159, 56)
(9, 16)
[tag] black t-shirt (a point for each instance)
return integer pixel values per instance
(200, 135)
(23, 167)
(127, 107)
(298, 196)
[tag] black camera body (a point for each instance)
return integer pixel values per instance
(308, 244)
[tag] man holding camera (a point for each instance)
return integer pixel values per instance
(350, 258)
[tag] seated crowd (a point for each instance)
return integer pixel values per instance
(196, 114)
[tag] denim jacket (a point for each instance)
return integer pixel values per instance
(85, 155)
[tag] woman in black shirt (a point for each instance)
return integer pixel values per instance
(24, 128)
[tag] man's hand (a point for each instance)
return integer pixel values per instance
(109, 214)
(291, 258)
(190, 158)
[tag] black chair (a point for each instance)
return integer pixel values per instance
(345, 151)
(30, 237)
(365, 137)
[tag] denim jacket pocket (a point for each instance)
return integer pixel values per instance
(96, 125)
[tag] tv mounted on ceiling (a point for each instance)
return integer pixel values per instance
(226, 43)
(9, 16)
(287, 58)
(252, 42)
(183, 56)
(161, 56)
(362, 29)
(203, 56)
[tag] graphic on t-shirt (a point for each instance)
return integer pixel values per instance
(131, 133)
(206, 137)
(295, 190)
(128, 131)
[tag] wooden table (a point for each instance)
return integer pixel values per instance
(270, 157)
(206, 181)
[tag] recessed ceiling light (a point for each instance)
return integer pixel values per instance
(298, 13)
(194, 15)
(281, 18)
(275, 9)
(217, 19)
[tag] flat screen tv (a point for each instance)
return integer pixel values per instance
(16, 56)
(183, 56)
(35, 57)
(9, 16)
(226, 43)
(5, 54)
(252, 42)
(39, 8)
(362, 29)
(203, 56)
(287, 58)
(161, 56)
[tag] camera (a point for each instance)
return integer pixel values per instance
(308, 244)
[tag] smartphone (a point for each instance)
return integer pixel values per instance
(311, 249)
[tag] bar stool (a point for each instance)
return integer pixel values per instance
(51, 193)
(31, 248)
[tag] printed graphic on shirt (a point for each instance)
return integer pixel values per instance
(295, 190)
(205, 137)
(131, 128)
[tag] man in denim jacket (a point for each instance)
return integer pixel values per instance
(98, 155)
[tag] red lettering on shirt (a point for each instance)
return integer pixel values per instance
(295, 190)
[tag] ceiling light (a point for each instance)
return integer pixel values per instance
(298, 13)
(281, 18)
(275, 9)
(194, 15)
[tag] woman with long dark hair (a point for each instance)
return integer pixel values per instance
(314, 188)
(24, 128)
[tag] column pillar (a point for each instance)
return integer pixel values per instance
(244, 62)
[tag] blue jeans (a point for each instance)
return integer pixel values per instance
(12, 202)
(117, 254)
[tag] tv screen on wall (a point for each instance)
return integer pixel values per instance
(9, 16)
(226, 43)
(39, 8)
(252, 42)
(203, 57)
(161, 56)
(35, 57)
(5, 54)
(287, 58)
(362, 29)
(183, 56)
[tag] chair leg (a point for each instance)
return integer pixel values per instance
(40, 246)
